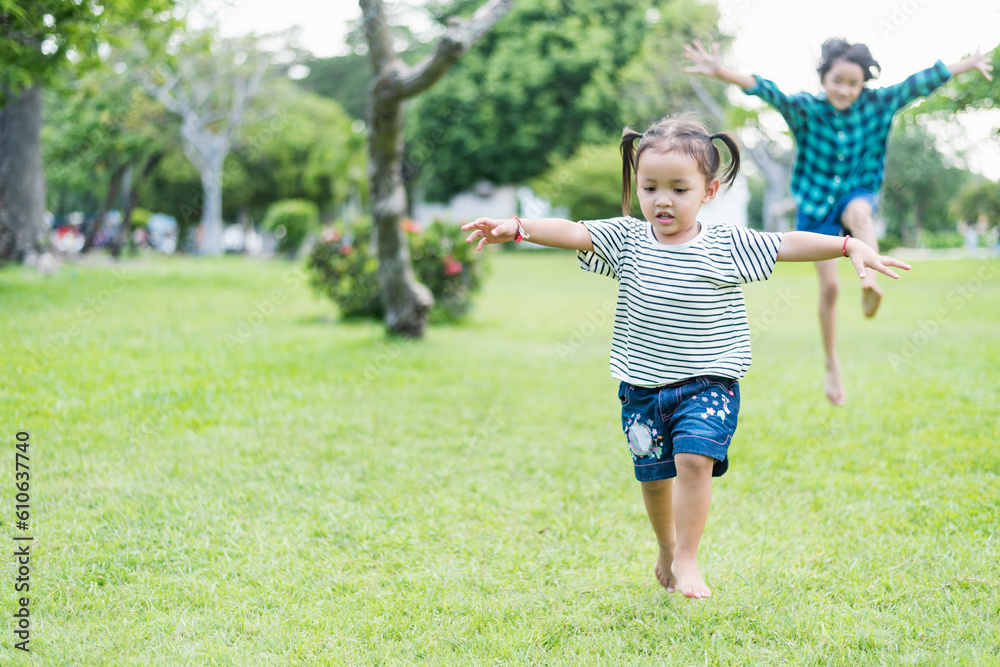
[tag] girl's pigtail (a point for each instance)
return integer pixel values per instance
(628, 164)
(734, 155)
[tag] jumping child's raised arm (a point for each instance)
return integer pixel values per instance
(976, 61)
(709, 63)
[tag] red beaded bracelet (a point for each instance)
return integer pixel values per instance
(521, 234)
(844, 249)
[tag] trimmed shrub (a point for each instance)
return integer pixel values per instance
(291, 221)
(343, 266)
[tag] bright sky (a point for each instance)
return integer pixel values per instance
(779, 39)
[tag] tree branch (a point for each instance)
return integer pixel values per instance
(242, 96)
(459, 38)
(378, 36)
(396, 81)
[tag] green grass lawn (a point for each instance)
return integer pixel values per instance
(223, 473)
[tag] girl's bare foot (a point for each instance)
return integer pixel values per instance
(663, 572)
(689, 581)
(833, 387)
(871, 298)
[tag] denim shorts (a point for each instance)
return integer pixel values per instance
(832, 224)
(694, 416)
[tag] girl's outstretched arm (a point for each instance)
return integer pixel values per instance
(709, 64)
(810, 247)
(976, 61)
(551, 232)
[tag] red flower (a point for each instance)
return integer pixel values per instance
(346, 249)
(452, 266)
(411, 226)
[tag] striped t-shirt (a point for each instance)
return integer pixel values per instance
(680, 310)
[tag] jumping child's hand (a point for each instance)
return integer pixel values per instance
(979, 62)
(705, 62)
(489, 230)
(862, 256)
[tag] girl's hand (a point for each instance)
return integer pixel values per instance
(704, 62)
(488, 230)
(862, 256)
(978, 61)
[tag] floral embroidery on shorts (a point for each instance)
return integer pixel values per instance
(644, 440)
(719, 412)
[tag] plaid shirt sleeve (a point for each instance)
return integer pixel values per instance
(916, 85)
(793, 108)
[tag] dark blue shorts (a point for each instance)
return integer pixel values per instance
(832, 225)
(695, 416)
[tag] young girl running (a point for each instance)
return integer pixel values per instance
(841, 136)
(681, 341)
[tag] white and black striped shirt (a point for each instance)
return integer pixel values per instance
(680, 310)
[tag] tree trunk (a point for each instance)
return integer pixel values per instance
(109, 200)
(407, 303)
(125, 230)
(211, 210)
(22, 179)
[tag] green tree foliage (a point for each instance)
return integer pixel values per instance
(540, 84)
(919, 185)
(978, 199)
(551, 76)
(174, 188)
(104, 122)
(589, 183)
(291, 221)
(306, 148)
(344, 78)
(39, 38)
(654, 84)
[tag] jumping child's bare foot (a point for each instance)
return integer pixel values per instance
(833, 387)
(689, 581)
(871, 298)
(663, 563)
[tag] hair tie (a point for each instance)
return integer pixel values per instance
(641, 135)
(713, 137)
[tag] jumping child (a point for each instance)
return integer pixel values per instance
(681, 340)
(841, 136)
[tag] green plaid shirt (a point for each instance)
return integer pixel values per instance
(839, 151)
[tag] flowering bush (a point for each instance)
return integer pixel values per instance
(343, 266)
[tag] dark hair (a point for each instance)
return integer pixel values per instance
(683, 133)
(835, 49)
